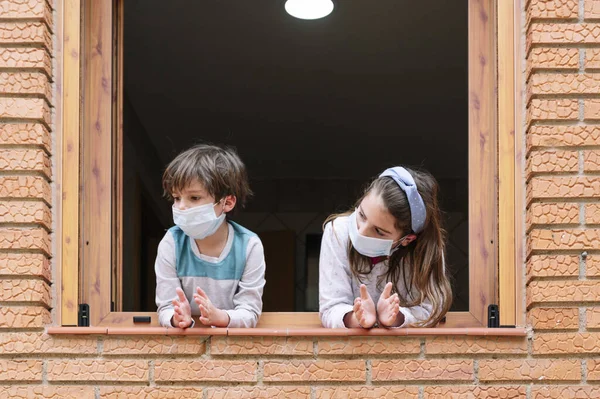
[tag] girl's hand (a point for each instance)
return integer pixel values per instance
(182, 317)
(364, 309)
(388, 308)
(209, 314)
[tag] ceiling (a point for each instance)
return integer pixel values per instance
(374, 84)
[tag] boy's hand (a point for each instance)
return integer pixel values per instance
(388, 308)
(182, 317)
(364, 309)
(209, 314)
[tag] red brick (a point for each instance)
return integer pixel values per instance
(265, 392)
(566, 343)
(30, 160)
(474, 392)
(593, 317)
(97, 370)
(593, 370)
(40, 343)
(529, 370)
(260, 346)
(35, 83)
(591, 110)
(25, 291)
(416, 370)
(553, 161)
(554, 9)
(591, 161)
(552, 213)
(314, 370)
(26, 58)
(47, 391)
(36, 109)
(553, 58)
(557, 136)
(27, 33)
(572, 83)
(33, 238)
(116, 345)
(565, 187)
(20, 370)
(592, 58)
(592, 213)
(373, 345)
(24, 317)
(25, 133)
(549, 33)
(28, 10)
(205, 370)
(25, 187)
(591, 9)
(564, 239)
(373, 392)
(554, 318)
(564, 392)
(464, 345)
(552, 109)
(26, 212)
(123, 392)
(562, 291)
(552, 266)
(24, 264)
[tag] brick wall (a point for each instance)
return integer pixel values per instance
(559, 358)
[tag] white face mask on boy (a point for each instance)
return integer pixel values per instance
(198, 222)
(369, 246)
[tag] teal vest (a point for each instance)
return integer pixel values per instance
(230, 268)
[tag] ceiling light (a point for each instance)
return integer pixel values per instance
(309, 9)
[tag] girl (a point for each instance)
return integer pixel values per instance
(383, 264)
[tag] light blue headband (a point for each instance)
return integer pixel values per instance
(408, 185)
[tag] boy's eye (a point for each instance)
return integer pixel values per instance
(362, 215)
(379, 232)
(196, 198)
(176, 199)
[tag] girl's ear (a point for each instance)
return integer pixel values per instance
(229, 203)
(408, 239)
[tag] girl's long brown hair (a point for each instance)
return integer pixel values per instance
(420, 264)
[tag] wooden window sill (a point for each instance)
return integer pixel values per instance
(285, 324)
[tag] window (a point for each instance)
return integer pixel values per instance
(92, 263)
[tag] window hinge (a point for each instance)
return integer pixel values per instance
(493, 316)
(83, 315)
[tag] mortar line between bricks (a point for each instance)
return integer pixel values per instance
(97, 392)
(582, 319)
(582, 206)
(582, 53)
(368, 372)
(580, 162)
(151, 369)
(582, 266)
(584, 374)
(580, 11)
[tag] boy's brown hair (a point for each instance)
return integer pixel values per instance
(219, 169)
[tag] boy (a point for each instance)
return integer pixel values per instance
(206, 265)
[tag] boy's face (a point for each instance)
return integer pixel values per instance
(193, 195)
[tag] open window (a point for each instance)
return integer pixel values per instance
(304, 103)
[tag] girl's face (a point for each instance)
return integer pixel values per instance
(374, 220)
(191, 196)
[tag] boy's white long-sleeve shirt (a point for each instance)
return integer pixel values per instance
(338, 287)
(241, 299)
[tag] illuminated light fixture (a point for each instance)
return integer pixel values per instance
(309, 9)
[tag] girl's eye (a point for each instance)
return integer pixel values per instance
(195, 198)
(379, 232)
(362, 215)
(176, 199)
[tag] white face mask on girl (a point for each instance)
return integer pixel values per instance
(369, 246)
(198, 222)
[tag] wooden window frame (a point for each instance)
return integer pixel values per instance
(89, 201)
